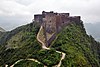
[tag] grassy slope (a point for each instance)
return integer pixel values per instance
(80, 49)
(26, 44)
(21, 43)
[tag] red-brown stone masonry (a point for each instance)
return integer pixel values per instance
(54, 22)
(38, 18)
(50, 22)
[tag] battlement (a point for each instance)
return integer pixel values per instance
(75, 18)
(62, 17)
(55, 20)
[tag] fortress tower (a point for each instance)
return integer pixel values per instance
(53, 23)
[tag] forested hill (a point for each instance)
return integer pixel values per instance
(81, 49)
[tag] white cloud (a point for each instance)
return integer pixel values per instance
(25, 9)
(13, 8)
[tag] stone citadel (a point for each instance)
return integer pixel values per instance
(53, 23)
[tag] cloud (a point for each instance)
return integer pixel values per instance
(11, 8)
(24, 10)
(13, 14)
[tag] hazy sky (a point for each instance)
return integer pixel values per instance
(14, 13)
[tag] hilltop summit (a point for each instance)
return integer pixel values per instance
(49, 43)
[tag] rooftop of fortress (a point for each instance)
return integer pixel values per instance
(39, 17)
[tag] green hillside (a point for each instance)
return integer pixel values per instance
(21, 43)
(81, 50)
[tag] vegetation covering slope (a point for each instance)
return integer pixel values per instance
(21, 43)
(81, 50)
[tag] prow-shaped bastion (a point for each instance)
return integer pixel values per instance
(51, 24)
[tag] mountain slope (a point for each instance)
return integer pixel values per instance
(21, 43)
(2, 31)
(81, 50)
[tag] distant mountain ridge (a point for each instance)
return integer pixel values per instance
(93, 29)
(2, 30)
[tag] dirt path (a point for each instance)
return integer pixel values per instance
(63, 56)
(25, 59)
(44, 47)
(43, 44)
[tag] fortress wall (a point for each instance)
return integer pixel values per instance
(58, 23)
(50, 22)
(54, 22)
(64, 14)
(38, 18)
(51, 39)
(61, 20)
(76, 19)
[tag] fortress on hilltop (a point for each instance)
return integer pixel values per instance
(52, 23)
